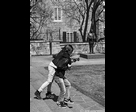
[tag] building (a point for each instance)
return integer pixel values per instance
(60, 28)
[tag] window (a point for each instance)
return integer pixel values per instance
(57, 14)
(69, 37)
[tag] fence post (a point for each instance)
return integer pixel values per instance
(50, 44)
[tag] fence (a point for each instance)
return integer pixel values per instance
(43, 48)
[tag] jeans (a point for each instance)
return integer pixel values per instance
(49, 81)
(64, 86)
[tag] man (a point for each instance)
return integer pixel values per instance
(91, 41)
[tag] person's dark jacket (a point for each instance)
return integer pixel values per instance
(61, 60)
(60, 73)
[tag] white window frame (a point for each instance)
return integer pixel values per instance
(57, 17)
(69, 37)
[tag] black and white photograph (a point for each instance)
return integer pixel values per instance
(67, 55)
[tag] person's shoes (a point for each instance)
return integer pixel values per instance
(62, 104)
(48, 95)
(38, 94)
(69, 101)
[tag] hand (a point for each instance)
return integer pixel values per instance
(69, 65)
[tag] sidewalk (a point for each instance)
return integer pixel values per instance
(38, 75)
(45, 60)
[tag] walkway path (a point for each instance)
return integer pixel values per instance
(38, 75)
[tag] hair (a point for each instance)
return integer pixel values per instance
(68, 48)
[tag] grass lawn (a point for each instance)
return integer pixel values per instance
(90, 80)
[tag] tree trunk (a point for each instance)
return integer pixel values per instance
(86, 25)
(93, 24)
(81, 29)
(93, 27)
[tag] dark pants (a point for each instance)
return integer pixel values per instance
(91, 45)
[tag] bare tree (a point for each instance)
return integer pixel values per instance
(78, 11)
(82, 12)
(40, 15)
(98, 7)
